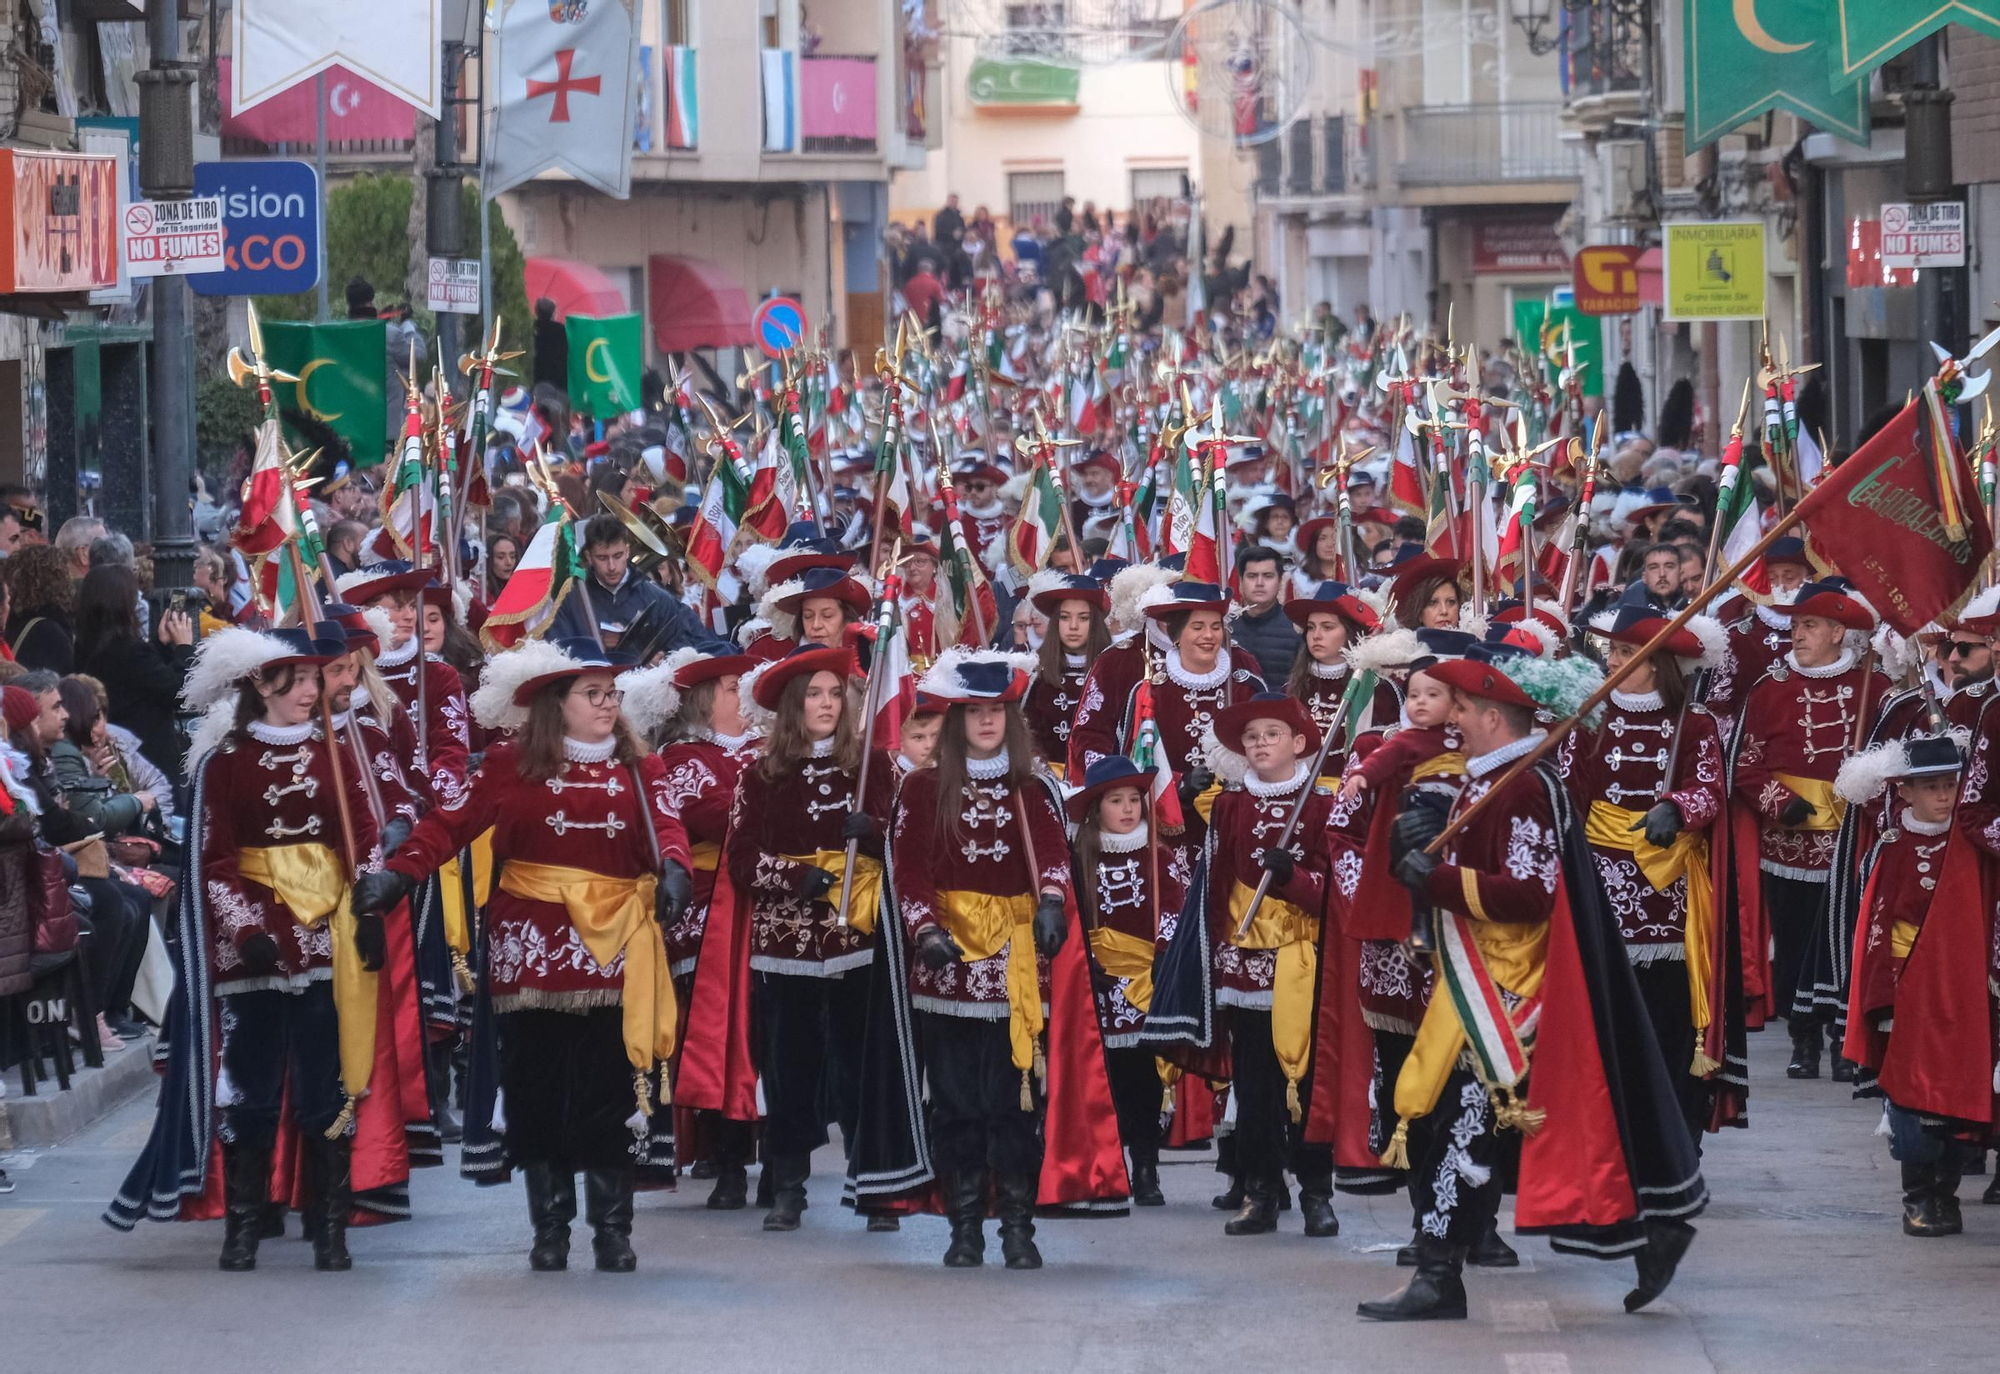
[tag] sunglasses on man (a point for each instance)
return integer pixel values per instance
(1961, 648)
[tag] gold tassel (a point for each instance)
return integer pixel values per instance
(1513, 1112)
(1027, 1092)
(1166, 1100)
(1041, 1062)
(643, 1091)
(466, 984)
(343, 1122)
(1292, 1099)
(666, 1088)
(1703, 1066)
(1397, 1156)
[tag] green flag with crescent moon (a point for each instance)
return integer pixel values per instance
(605, 358)
(1745, 57)
(1867, 33)
(339, 405)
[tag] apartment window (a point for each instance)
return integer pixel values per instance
(678, 23)
(769, 24)
(1157, 183)
(1032, 196)
(1038, 30)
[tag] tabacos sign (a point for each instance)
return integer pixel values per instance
(270, 227)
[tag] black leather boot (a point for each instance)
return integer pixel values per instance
(1230, 1198)
(551, 1208)
(1945, 1176)
(273, 1225)
(880, 1222)
(333, 1162)
(764, 1185)
(732, 1189)
(437, 1084)
(1991, 1197)
(1406, 1257)
(1316, 1205)
(1146, 1177)
(1805, 1052)
(1016, 1205)
(965, 1207)
(1666, 1244)
(1491, 1252)
(1436, 1292)
(246, 1188)
(1260, 1210)
(607, 1202)
(788, 1190)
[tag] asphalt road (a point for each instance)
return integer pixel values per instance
(1800, 1266)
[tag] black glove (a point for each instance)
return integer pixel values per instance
(1414, 869)
(812, 884)
(671, 898)
(259, 953)
(1661, 824)
(394, 832)
(937, 949)
(1101, 982)
(859, 825)
(370, 942)
(1194, 782)
(1278, 863)
(1420, 823)
(1051, 924)
(1797, 811)
(376, 892)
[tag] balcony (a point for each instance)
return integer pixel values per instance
(1317, 159)
(837, 104)
(1484, 145)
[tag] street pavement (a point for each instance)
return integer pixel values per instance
(1800, 1266)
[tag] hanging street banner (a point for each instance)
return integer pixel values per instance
(340, 403)
(276, 44)
(1741, 63)
(1867, 33)
(1714, 271)
(605, 359)
(565, 93)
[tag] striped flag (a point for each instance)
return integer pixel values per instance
(408, 503)
(1511, 561)
(1032, 540)
(781, 100)
(529, 601)
(892, 691)
(683, 113)
(723, 502)
(268, 517)
(1152, 758)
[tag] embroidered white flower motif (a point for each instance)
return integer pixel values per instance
(235, 911)
(687, 781)
(1531, 853)
(1772, 797)
(1093, 700)
(1347, 872)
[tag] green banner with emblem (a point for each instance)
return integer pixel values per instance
(1868, 33)
(1745, 57)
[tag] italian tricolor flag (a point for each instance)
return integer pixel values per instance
(268, 517)
(529, 601)
(683, 113)
(1033, 538)
(723, 502)
(1152, 759)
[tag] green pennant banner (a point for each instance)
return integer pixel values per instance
(340, 403)
(1739, 66)
(605, 360)
(1868, 33)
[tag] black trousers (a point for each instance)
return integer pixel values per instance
(811, 1031)
(264, 1035)
(1392, 1048)
(1793, 908)
(1455, 1181)
(1663, 986)
(1267, 1139)
(1135, 1094)
(119, 927)
(569, 1096)
(975, 1092)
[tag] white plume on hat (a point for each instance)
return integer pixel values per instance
(1015, 487)
(1047, 580)
(751, 630)
(348, 581)
(379, 624)
(784, 624)
(754, 714)
(1129, 587)
(1865, 776)
(1472, 622)
(1985, 602)
(224, 659)
(1536, 630)
(1223, 761)
(493, 704)
(210, 731)
(1714, 641)
(941, 680)
(651, 699)
(753, 563)
(1375, 599)
(1390, 648)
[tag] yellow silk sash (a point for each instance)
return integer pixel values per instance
(1610, 827)
(308, 879)
(985, 925)
(867, 883)
(1826, 803)
(457, 920)
(705, 855)
(613, 916)
(1293, 936)
(1128, 957)
(1451, 761)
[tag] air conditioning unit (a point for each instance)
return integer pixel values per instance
(1622, 164)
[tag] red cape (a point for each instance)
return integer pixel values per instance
(718, 1071)
(1939, 1059)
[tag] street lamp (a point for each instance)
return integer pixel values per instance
(1536, 19)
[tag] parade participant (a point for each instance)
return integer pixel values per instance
(795, 811)
(1117, 672)
(1076, 608)
(1533, 962)
(920, 596)
(1797, 723)
(1095, 495)
(1650, 779)
(1901, 876)
(1425, 592)
(979, 865)
(617, 596)
(1130, 895)
(820, 607)
(1257, 623)
(267, 931)
(691, 704)
(1332, 618)
(921, 729)
(577, 967)
(1318, 541)
(1266, 970)
(1760, 631)
(982, 516)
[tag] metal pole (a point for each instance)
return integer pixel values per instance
(447, 157)
(172, 381)
(319, 161)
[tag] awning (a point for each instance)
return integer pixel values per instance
(1652, 272)
(695, 304)
(575, 287)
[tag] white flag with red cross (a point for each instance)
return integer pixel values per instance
(568, 71)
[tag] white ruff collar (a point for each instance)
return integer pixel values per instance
(1833, 669)
(265, 733)
(1504, 755)
(1636, 701)
(1257, 787)
(988, 769)
(397, 657)
(1184, 677)
(1775, 619)
(1123, 844)
(992, 511)
(822, 748)
(1335, 669)
(1909, 822)
(576, 751)
(729, 742)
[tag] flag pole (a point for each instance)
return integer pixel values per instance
(885, 626)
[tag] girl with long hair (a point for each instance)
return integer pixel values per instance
(1332, 617)
(1078, 632)
(590, 869)
(1425, 592)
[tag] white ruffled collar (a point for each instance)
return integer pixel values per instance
(1504, 755)
(398, 656)
(1108, 843)
(1775, 619)
(577, 751)
(360, 700)
(988, 769)
(1637, 701)
(1098, 502)
(1833, 669)
(1329, 671)
(1909, 822)
(266, 733)
(1074, 662)
(1185, 677)
(704, 735)
(823, 748)
(992, 511)
(1257, 787)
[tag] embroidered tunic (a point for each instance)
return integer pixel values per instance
(1050, 707)
(800, 815)
(585, 817)
(1125, 905)
(1798, 724)
(982, 527)
(1503, 869)
(1758, 637)
(1327, 687)
(1902, 876)
(1248, 819)
(702, 773)
(1099, 722)
(447, 734)
(1624, 763)
(981, 854)
(384, 748)
(268, 788)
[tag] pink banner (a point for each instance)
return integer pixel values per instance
(355, 110)
(838, 98)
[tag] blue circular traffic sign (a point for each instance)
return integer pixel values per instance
(778, 324)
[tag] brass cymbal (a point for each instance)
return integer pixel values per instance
(647, 542)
